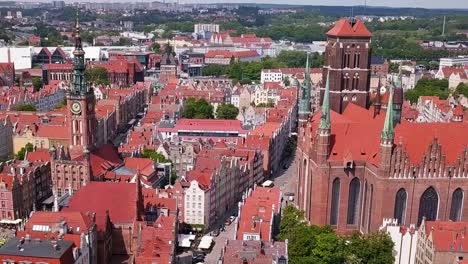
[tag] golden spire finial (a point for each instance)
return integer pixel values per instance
(77, 21)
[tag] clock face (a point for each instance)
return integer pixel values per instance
(76, 108)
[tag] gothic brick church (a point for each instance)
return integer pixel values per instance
(360, 164)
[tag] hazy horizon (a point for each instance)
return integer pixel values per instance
(447, 4)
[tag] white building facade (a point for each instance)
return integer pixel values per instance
(196, 205)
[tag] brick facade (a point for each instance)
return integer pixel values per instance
(347, 58)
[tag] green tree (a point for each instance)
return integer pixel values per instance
(298, 59)
(314, 244)
(394, 67)
(152, 154)
(158, 157)
(22, 152)
(25, 107)
(97, 76)
(214, 70)
(227, 111)
(37, 83)
(286, 81)
(428, 87)
(156, 47)
(124, 42)
(374, 248)
(199, 109)
(462, 89)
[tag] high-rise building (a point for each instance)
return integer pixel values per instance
(347, 59)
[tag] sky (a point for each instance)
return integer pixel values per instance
(462, 4)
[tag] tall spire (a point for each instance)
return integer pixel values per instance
(307, 70)
(378, 102)
(78, 45)
(304, 102)
(387, 132)
(325, 118)
(79, 67)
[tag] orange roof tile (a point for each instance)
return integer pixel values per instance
(343, 28)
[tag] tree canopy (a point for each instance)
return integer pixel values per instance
(97, 76)
(199, 109)
(227, 111)
(428, 87)
(214, 70)
(22, 152)
(156, 47)
(314, 244)
(158, 157)
(25, 107)
(37, 83)
(462, 89)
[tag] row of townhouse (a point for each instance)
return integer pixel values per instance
(212, 189)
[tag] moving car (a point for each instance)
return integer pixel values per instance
(230, 220)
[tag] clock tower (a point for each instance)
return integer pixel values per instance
(80, 105)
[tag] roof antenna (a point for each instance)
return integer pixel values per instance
(352, 19)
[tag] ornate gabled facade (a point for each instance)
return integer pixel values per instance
(359, 166)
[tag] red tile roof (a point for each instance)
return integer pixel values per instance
(257, 213)
(157, 241)
(38, 155)
(343, 28)
(145, 165)
(448, 236)
(415, 137)
(7, 179)
(77, 222)
(103, 159)
(209, 125)
(230, 54)
(120, 199)
(448, 71)
(49, 131)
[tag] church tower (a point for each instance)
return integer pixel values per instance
(347, 60)
(80, 104)
(304, 98)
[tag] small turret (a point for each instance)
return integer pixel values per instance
(324, 129)
(386, 138)
(378, 100)
(387, 134)
(304, 99)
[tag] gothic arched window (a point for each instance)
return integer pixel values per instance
(353, 201)
(335, 201)
(456, 207)
(400, 206)
(428, 205)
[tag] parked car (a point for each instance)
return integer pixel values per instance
(216, 232)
